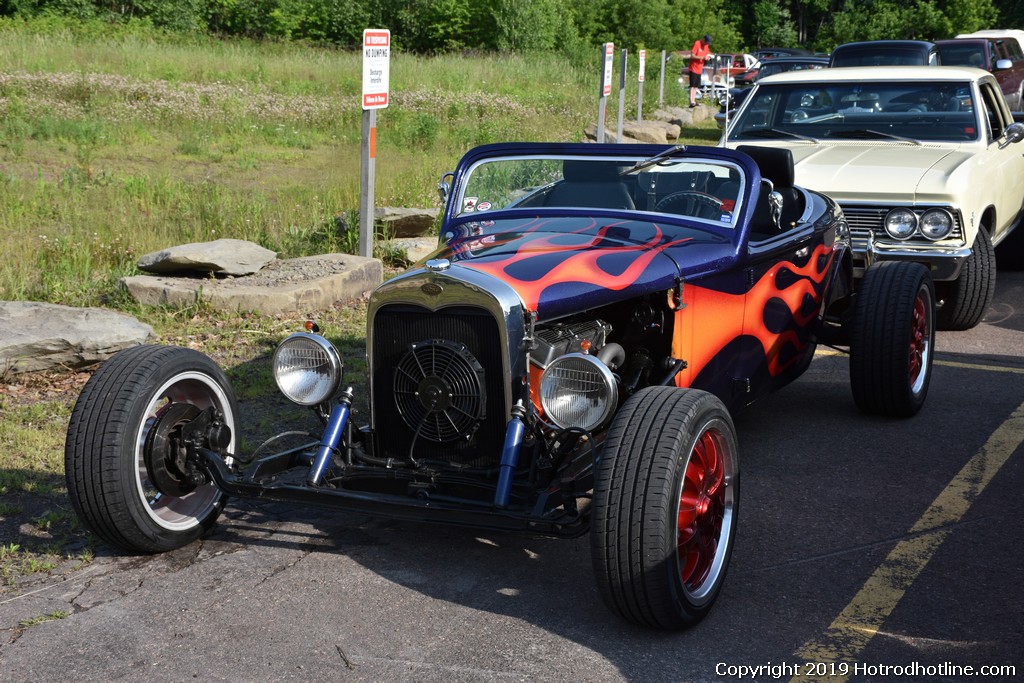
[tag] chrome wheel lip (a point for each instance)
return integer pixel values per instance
(170, 512)
(920, 343)
(707, 589)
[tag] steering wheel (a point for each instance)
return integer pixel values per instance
(689, 203)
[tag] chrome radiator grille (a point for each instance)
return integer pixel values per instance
(865, 219)
(467, 334)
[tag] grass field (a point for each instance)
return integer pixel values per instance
(118, 142)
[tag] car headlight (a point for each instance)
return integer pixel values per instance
(577, 390)
(936, 224)
(900, 224)
(307, 369)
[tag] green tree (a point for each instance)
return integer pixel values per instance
(529, 24)
(771, 24)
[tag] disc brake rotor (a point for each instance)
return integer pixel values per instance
(165, 461)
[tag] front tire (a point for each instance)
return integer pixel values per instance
(665, 499)
(967, 298)
(891, 346)
(109, 482)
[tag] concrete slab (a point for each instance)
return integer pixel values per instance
(304, 284)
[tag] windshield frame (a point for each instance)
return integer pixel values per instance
(824, 109)
(465, 193)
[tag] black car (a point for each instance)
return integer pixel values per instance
(886, 53)
(774, 66)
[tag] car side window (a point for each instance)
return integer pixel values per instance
(993, 113)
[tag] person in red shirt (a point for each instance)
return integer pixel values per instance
(699, 53)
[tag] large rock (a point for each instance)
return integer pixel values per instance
(685, 118)
(221, 257)
(610, 136)
(302, 285)
(36, 336)
(416, 248)
(399, 222)
(645, 132)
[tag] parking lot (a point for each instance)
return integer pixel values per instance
(868, 549)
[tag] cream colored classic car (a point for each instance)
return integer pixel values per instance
(921, 159)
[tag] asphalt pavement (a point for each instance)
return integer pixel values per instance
(867, 549)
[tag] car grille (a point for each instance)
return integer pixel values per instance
(453, 355)
(865, 219)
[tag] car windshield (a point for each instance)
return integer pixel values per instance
(702, 189)
(857, 110)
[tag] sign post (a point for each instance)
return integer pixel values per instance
(661, 84)
(376, 77)
(640, 87)
(607, 54)
(622, 96)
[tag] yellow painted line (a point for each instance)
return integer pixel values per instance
(975, 366)
(862, 618)
(827, 352)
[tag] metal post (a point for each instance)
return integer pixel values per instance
(622, 96)
(367, 178)
(661, 83)
(607, 55)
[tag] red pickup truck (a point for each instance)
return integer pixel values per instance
(1000, 54)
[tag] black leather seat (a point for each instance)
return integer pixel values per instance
(591, 184)
(776, 165)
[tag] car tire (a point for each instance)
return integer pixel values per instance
(894, 312)
(966, 299)
(108, 478)
(666, 493)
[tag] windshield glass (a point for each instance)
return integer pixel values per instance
(703, 189)
(926, 112)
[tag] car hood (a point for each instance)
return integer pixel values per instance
(566, 265)
(873, 172)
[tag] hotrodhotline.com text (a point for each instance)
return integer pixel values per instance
(816, 669)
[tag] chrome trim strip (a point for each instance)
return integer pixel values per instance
(457, 286)
(944, 263)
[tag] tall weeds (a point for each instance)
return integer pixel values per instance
(114, 144)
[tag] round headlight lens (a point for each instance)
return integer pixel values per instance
(900, 224)
(307, 368)
(577, 390)
(936, 224)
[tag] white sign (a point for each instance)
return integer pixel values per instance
(643, 64)
(376, 67)
(609, 53)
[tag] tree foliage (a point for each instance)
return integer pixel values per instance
(572, 26)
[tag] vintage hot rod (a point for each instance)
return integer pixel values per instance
(567, 361)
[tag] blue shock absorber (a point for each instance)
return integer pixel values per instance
(331, 438)
(510, 455)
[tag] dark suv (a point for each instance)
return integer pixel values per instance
(885, 53)
(1002, 57)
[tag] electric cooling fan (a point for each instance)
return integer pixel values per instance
(439, 390)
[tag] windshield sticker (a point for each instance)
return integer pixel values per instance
(469, 204)
(483, 206)
(725, 218)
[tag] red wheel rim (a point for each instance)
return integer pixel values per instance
(919, 341)
(702, 509)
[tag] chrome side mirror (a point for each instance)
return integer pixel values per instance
(1014, 133)
(444, 187)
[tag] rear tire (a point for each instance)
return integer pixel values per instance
(665, 499)
(966, 299)
(891, 346)
(108, 480)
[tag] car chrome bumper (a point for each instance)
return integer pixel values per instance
(943, 262)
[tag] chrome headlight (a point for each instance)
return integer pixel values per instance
(577, 390)
(900, 224)
(936, 224)
(307, 369)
